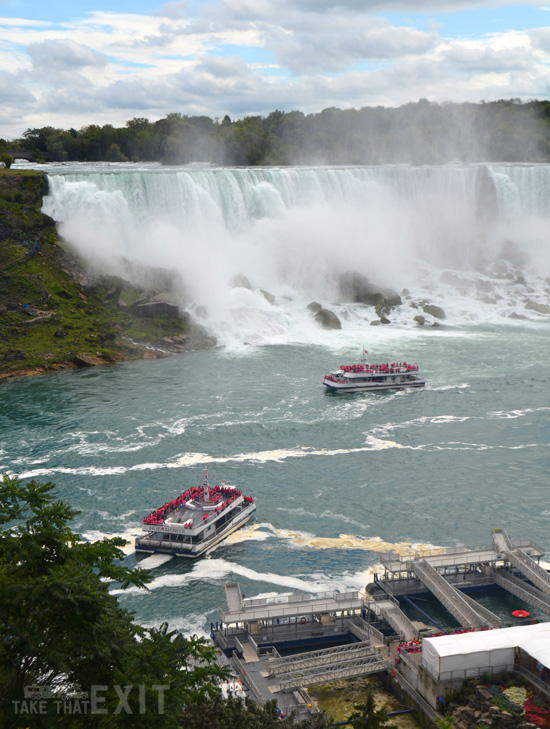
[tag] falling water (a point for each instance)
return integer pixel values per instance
(293, 231)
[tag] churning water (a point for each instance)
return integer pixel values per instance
(337, 478)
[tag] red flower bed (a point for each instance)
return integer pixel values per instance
(536, 714)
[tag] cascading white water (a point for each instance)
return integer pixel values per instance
(293, 231)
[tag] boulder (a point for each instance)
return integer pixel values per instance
(353, 284)
(356, 287)
(240, 281)
(434, 311)
(201, 312)
(420, 320)
(372, 299)
(384, 319)
(314, 307)
(86, 360)
(327, 319)
(392, 300)
(156, 308)
(267, 296)
(539, 308)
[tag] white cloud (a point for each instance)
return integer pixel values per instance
(64, 55)
(245, 57)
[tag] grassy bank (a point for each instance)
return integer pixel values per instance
(51, 315)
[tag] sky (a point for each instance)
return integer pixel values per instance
(72, 63)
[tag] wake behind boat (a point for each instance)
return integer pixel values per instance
(365, 377)
(197, 520)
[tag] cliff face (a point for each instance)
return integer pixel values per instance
(53, 316)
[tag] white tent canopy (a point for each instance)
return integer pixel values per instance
(470, 654)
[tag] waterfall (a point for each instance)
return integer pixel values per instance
(293, 231)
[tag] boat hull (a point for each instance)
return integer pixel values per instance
(370, 387)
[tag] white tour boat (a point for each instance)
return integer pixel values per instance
(197, 520)
(365, 377)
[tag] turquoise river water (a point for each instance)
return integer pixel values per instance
(337, 478)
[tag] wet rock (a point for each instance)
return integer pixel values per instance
(356, 287)
(539, 308)
(157, 308)
(240, 281)
(384, 320)
(434, 310)
(201, 312)
(86, 360)
(420, 320)
(375, 322)
(391, 301)
(513, 315)
(328, 319)
(267, 296)
(314, 307)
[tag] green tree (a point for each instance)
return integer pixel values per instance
(61, 627)
(367, 716)
(7, 159)
(234, 714)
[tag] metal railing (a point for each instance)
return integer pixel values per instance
(524, 591)
(448, 595)
(399, 622)
(365, 631)
(474, 672)
(531, 569)
(535, 680)
(247, 680)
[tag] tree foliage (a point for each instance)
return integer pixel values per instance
(367, 716)
(61, 628)
(415, 133)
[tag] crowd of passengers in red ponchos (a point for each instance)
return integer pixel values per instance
(386, 369)
(415, 646)
(196, 493)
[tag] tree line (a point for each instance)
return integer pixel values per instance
(415, 133)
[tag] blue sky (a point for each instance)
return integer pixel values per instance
(73, 63)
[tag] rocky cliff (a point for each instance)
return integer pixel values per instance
(53, 314)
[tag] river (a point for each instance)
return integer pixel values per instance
(337, 478)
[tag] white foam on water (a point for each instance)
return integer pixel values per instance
(154, 560)
(129, 536)
(212, 569)
(191, 624)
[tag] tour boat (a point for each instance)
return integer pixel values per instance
(197, 520)
(365, 377)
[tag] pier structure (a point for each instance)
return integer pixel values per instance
(449, 574)
(353, 634)
(252, 630)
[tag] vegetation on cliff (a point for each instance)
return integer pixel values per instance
(52, 315)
